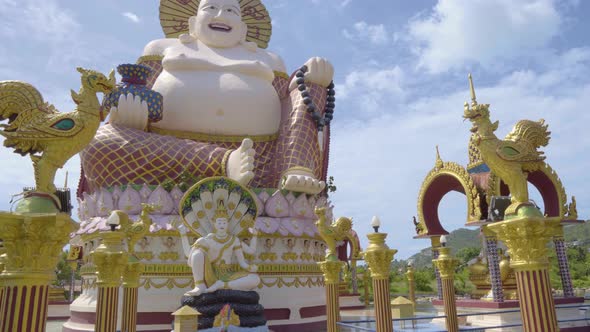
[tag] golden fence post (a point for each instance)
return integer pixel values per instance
(110, 259)
(446, 265)
(526, 238)
(331, 270)
(32, 243)
(378, 256)
(131, 276)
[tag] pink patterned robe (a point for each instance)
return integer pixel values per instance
(120, 156)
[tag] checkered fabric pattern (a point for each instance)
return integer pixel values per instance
(564, 271)
(298, 138)
(494, 268)
(281, 85)
(119, 156)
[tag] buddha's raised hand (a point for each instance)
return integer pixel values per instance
(240, 163)
(131, 112)
(319, 71)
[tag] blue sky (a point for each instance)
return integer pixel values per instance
(401, 69)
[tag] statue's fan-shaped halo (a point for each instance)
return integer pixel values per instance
(201, 202)
(174, 15)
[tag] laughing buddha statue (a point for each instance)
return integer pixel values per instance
(229, 108)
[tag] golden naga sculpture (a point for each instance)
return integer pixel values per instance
(36, 127)
(339, 230)
(572, 210)
(512, 157)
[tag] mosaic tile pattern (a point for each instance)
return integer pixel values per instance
(437, 274)
(564, 271)
(494, 268)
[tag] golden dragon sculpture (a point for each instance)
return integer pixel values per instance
(339, 230)
(510, 159)
(48, 136)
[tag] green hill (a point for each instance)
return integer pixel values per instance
(457, 240)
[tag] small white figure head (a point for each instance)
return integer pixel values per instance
(221, 226)
(218, 23)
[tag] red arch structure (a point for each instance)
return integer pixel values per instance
(434, 194)
(442, 179)
(478, 189)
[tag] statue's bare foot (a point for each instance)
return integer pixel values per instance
(303, 182)
(240, 164)
(216, 286)
(198, 290)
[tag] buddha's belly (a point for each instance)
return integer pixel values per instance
(218, 103)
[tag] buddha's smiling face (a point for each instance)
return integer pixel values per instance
(219, 23)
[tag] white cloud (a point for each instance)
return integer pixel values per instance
(132, 17)
(345, 3)
(43, 20)
(362, 31)
(458, 32)
(370, 88)
(379, 163)
(53, 40)
(341, 3)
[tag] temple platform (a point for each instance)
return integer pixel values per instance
(479, 304)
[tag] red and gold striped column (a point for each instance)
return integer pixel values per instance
(331, 270)
(526, 238)
(110, 260)
(131, 276)
(32, 244)
(446, 265)
(24, 306)
(378, 256)
(106, 309)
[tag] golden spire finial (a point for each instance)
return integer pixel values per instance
(221, 211)
(439, 162)
(473, 99)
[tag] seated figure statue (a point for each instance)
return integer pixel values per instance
(211, 258)
(229, 109)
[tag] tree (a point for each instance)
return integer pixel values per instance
(423, 279)
(465, 255)
(63, 270)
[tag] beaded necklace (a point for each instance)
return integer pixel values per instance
(321, 121)
(222, 240)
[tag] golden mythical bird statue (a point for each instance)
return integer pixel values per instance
(135, 231)
(510, 159)
(36, 127)
(339, 230)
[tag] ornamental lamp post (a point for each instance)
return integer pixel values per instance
(446, 264)
(110, 259)
(378, 256)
